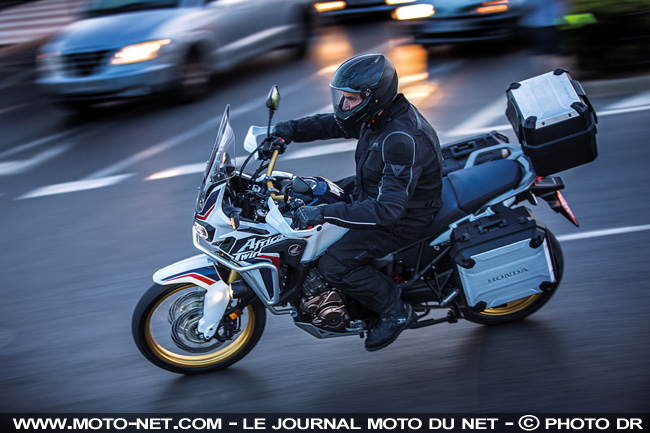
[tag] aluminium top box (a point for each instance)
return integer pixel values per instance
(554, 121)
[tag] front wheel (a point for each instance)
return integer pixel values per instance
(521, 308)
(164, 328)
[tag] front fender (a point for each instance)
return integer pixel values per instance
(200, 271)
(197, 270)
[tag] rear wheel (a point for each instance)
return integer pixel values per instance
(517, 310)
(165, 325)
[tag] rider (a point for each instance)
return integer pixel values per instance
(396, 191)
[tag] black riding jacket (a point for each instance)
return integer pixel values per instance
(398, 182)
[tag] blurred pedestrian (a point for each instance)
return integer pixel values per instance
(541, 33)
(396, 190)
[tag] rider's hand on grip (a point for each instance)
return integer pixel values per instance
(271, 144)
(308, 216)
(295, 203)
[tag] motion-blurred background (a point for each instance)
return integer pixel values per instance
(108, 110)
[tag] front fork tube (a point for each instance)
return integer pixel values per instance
(217, 299)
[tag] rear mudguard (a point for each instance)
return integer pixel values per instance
(200, 271)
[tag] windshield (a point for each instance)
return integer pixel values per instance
(109, 7)
(221, 165)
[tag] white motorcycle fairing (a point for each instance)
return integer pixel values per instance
(200, 270)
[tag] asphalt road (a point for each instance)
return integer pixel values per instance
(84, 228)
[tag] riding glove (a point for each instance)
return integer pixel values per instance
(270, 144)
(308, 216)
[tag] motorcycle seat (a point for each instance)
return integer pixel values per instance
(465, 191)
(476, 185)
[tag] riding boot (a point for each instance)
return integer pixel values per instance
(390, 325)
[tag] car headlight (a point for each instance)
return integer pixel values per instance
(398, 2)
(139, 52)
(413, 12)
(329, 6)
(491, 7)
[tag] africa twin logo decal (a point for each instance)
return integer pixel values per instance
(254, 245)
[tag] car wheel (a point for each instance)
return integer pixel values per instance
(193, 79)
(304, 30)
(76, 107)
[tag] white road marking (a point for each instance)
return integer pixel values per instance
(634, 101)
(181, 170)
(79, 185)
(154, 150)
(622, 111)
(478, 129)
(14, 108)
(199, 167)
(15, 167)
(604, 232)
(36, 143)
(484, 117)
(325, 149)
(458, 133)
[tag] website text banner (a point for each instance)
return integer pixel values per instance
(326, 423)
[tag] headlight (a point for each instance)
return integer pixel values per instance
(329, 6)
(491, 7)
(398, 2)
(139, 52)
(413, 12)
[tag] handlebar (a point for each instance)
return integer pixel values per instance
(269, 172)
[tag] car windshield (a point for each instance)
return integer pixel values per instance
(220, 166)
(109, 7)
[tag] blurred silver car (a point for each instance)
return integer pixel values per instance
(132, 48)
(437, 22)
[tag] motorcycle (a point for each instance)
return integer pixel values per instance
(485, 258)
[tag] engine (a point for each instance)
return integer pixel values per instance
(323, 306)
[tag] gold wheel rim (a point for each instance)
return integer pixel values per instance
(199, 360)
(511, 307)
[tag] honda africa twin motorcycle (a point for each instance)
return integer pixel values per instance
(485, 258)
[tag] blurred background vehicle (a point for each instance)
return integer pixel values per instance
(438, 22)
(132, 48)
(330, 11)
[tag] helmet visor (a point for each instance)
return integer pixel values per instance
(347, 103)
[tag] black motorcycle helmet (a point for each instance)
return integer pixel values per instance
(372, 76)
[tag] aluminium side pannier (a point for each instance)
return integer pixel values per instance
(502, 258)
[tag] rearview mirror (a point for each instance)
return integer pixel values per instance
(273, 100)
